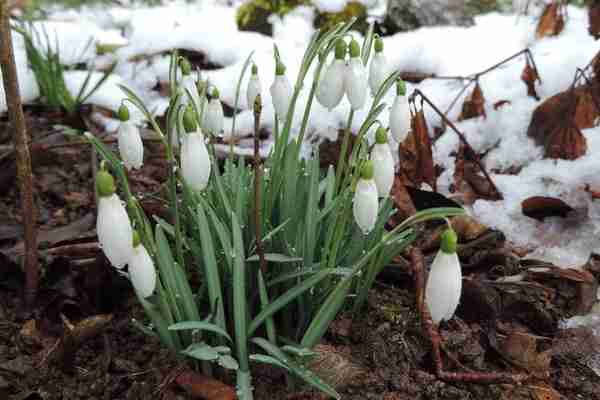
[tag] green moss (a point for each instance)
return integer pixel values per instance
(254, 14)
(328, 20)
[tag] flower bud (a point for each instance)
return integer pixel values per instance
(123, 113)
(341, 48)
(213, 121)
(186, 67)
(379, 69)
(254, 87)
(195, 161)
(131, 147)
(354, 49)
(114, 230)
(355, 78)
(189, 119)
(331, 86)
(383, 163)
(105, 183)
(400, 118)
(141, 270)
(366, 205)
(444, 283)
(281, 92)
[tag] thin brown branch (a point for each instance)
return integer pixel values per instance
(257, 178)
(461, 137)
(21, 142)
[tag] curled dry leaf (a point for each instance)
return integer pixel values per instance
(499, 104)
(541, 207)
(520, 349)
(529, 76)
(566, 142)
(552, 21)
(469, 181)
(474, 105)
(202, 387)
(417, 155)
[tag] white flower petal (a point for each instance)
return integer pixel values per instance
(142, 272)
(400, 119)
(188, 84)
(366, 205)
(213, 121)
(378, 72)
(356, 83)
(195, 161)
(383, 163)
(114, 230)
(131, 147)
(253, 90)
(444, 285)
(281, 94)
(331, 86)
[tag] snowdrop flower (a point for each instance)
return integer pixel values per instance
(366, 204)
(189, 85)
(400, 114)
(141, 269)
(331, 86)
(195, 161)
(356, 78)
(112, 226)
(444, 283)
(254, 87)
(281, 92)
(131, 147)
(383, 163)
(379, 67)
(213, 121)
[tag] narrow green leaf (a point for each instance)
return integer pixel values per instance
(200, 326)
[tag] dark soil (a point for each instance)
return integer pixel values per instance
(383, 354)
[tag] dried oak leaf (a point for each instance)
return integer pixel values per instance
(529, 76)
(520, 349)
(417, 155)
(541, 207)
(202, 387)
(594, 20)
(552, 21)
(474, 105)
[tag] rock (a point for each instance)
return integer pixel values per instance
(405, 15)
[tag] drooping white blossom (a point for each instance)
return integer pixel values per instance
(379, 69)
(254, 88)
(355, 79)
(366, 204)
(213, 121)
(444, 283)
(112, 225)
(141, 271)
(281, 92)
(195, 161)
(131, 147)
(332, 84)
(400, 115)
(383, 163)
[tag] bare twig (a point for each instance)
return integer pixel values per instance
(461, 137)
(21, 142)
(257, 177)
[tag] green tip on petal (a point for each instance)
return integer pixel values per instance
(189, 119)
(341, 48)
(368, 170)
(449, 241)
(215, 93)
(400, 88)
(354, 49)
(136, 239)
(381, 136)
(378, 44)
(105, 183)
(123, 113)
(201, 85)
(280, 69)
(254, 69)
(186, 67)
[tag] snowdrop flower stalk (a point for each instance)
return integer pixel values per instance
(254, 87)
(366, 204)
(189, 85)
(400, 114)
(131, 147)
(356, 78)
(383, 163)
(112, 226)
(444, 284)
(141, 269)
(195, 160)
(213, 121)
(379, 69)
(281, 92)
(331, 86)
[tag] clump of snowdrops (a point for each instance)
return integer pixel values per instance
(322, 237)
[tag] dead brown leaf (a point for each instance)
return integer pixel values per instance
(467, 228)
(529, 76)
(567, 143)
(541, 207)
(335, 366)
(594, 20)
(474, 105)
(499, 104)
(417, 155)
(203, 387)
(468, 179)
(521, 350)
(552, 21)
